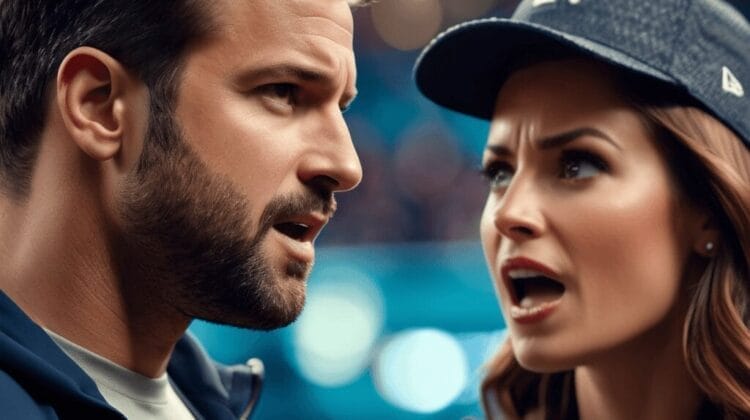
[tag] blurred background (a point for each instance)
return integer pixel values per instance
(401, 314)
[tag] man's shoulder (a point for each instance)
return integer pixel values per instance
(17, 403)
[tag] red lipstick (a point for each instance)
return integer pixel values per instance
(530, 285)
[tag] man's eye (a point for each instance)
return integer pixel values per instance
(498, 174)
(281, 92)
(576, 164)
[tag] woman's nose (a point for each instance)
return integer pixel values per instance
(518, 214)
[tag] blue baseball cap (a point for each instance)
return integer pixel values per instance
(699, 46)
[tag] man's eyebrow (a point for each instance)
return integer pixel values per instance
(558, 140)
(284, 71)
(295, 72)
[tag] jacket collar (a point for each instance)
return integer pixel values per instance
(217, 391)
(30, 356)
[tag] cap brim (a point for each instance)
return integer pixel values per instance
(464, 68)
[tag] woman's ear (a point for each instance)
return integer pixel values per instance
(707, 240)
(92, 99)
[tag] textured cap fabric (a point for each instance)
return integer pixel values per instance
(701, 46)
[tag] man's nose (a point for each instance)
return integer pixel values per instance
(332, 159)
(518, 213)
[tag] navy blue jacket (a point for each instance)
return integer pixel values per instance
(39, 381)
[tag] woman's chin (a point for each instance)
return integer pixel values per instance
(544, 360)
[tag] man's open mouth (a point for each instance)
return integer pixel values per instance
(530, 288)
(295, 230)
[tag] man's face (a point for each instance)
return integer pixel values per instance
(257, 146)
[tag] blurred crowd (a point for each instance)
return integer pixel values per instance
(421, 164)
(427, 188)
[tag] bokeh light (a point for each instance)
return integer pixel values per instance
(421, 370)
(407, 24)
(479, 348)
(343, 316)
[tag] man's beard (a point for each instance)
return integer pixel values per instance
(185, 235)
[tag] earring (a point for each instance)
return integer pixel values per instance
(709, 246)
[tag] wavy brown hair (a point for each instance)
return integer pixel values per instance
(711, 167)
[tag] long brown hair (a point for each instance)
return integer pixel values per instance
(712, 168)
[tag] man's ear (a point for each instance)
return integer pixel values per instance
(92, 99)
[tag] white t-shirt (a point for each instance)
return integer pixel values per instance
(134, 395)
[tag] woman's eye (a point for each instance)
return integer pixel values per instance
(580, 165)
(499, 174)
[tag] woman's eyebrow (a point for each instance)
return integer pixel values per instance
(499, 150)
(558, 140)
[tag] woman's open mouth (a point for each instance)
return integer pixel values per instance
(534, 289)
(530, 288)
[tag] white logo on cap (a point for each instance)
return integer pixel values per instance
(537, 3)
(730, 84)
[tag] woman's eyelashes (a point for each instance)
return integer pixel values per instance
(498, 173)
(580, 164)
(573, 165)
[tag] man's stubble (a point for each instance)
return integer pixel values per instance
(185, 232)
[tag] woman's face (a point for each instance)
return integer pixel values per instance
(583, 232)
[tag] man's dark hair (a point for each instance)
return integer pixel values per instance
(148, 37)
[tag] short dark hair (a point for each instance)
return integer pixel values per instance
(149, 38)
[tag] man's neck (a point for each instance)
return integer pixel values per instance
(646, 379)
(58, 265)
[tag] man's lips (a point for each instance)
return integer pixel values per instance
(303, 227)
